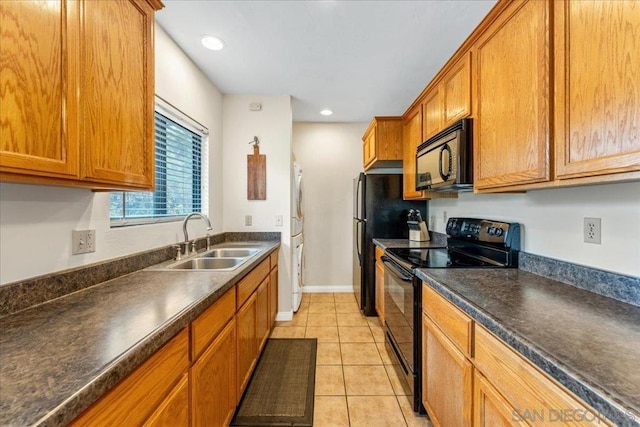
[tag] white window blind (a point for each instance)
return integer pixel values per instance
(179, 177)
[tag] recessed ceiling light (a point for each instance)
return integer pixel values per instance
(212, 42)
(326, 112)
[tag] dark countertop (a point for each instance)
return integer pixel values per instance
(436, 242)
(59, 357)
(587, 342)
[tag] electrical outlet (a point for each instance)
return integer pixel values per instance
(432, 222)
(83, 241)
(592, 230)
(279, 220)
(91, 240)
(444, 217)
(247, 220)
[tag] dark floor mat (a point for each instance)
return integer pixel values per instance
(281, 390)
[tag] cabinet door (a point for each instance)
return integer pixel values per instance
(247, 344)
(117, 99)
(213, 381)
(456, 89)
(446, 379)
(262, 314)
(511, 128)
(273, 295)
(369, 148)
(597, 54)
(489, 407)
(380, 290)
(431, 113)
(38, 77)
(174, 411)
(411, 138)
(134, 399)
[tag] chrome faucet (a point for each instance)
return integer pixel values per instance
(186, 234)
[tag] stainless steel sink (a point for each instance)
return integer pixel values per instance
(208, 264)
(230, 253)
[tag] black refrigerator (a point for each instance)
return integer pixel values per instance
(378, 212)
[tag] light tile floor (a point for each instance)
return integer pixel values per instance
(357, 382)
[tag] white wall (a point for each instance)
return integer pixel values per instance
(36, 221)
(330, 155)
(272, 126)
(553, 221)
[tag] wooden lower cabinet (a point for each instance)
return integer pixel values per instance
(198, 377)
(466, 371)
(174, 411)
(273, 295)
(380, 284)
(490, 408)
(446, 379)
(137, 397)
(262, 314)
(528, 390)
(247, 342)
(214, 381)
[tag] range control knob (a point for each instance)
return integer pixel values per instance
(498, 231)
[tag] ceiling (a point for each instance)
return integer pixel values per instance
(358, 58)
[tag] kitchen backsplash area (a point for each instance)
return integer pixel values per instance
(617, 286)
(23, 294)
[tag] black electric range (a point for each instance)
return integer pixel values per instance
(471, 243)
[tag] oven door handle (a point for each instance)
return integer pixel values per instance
(391, 267)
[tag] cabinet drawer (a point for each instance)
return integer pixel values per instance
(136, 397)
(207, 326)
(250, 282)
(274, 259)
(525, 386)
(455, 324)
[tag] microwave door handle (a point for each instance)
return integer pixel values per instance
(445, 177)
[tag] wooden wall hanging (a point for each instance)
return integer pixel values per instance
(256, 173)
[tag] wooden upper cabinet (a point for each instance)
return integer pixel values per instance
(382, 143)
(411, 138)
(37, 88)
(513, 98)
(456, 91)
(77, 93)
(117, 96)
(597, 85)
(432, 113)
(369, 149)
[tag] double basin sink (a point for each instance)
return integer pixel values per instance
(225, 259)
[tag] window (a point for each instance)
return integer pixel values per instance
(180, 152)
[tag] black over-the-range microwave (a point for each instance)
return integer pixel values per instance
(444, 162)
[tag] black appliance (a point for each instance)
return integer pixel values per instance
(471, 243)
(444, 162)
(378, 212)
